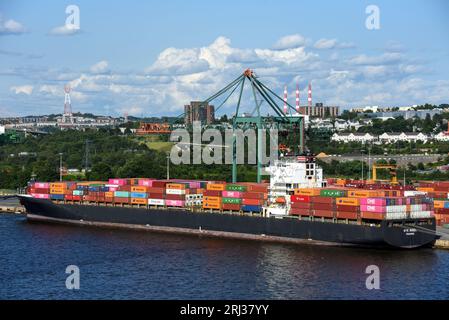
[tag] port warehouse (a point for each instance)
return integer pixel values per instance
(346, 200)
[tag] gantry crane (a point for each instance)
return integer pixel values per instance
(391, 167)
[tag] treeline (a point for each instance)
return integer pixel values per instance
(109, 155)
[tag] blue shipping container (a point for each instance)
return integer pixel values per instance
(138, 195)
(57, 196)
(251, 208)
(121, 194)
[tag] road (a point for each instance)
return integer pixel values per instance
(400, 159)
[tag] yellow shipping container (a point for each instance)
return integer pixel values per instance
(348, 201)
(58, 185)
(307, 192)
(139, 201)
(340, 182)
(215, 186)
(109, 194)
(177, 186)
(365, 193)
(138, 189)
(438, 204)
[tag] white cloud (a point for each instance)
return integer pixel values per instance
(65, 30)
(325, 44)
(386, 58)
(27, 89)
(289, 42)
(100, 67)
(10, 26)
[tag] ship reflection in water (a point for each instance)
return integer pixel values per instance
(118, 264)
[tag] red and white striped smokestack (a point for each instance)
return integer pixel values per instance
(297, 98)
(285, 100)
(309, 99)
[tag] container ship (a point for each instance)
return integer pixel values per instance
(296, 206)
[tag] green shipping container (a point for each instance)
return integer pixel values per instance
(333, 193)
(235, 187)
(78, 192)
(121, 194)
(232, 200)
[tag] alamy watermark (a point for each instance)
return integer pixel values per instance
(190, 148)
(72, 22)
(372, 21)
(373, 280)
(72, 282)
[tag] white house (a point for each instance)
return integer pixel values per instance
(353, 137)
(403, 136)
(2, 129)
(442, 136)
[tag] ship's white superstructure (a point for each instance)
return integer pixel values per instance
(288, 174)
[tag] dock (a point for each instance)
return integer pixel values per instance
(11, 206)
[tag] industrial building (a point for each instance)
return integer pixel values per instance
(319, 110)
(198, 111)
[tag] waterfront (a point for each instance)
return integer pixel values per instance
(118, 264)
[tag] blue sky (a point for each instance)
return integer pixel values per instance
(152, 57)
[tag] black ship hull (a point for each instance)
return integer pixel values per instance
(410, 233)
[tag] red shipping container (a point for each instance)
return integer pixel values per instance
(347, 215)
(344, 208)
(212, 193)
(294, 198)
(175, 197)
(40, 190)
(252, 195)
(300, 212)
(159, 184)
(318, 199)
(323, 213)
(231, 206)
(154, 195)
(301, 205)
(121, 200)
(252, 202)
(323, 206)
(124, 188)
(109, 199)
(73, 198)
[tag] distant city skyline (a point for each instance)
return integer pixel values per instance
(150, 59)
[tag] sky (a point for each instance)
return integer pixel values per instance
(150, 58)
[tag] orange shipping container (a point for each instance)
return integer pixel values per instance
(212, 199)
(109, 194)
(365, 193)
(177, 186)
(348, 201)
(139, 201)
(438, 204)
(57, 185)
(208, 205)
(215, 186)
(307, 192)
(425, 189)
(138, 189)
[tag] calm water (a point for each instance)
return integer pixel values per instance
(138, 265)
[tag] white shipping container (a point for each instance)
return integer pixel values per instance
(421, 214)
(396, 209)
(396, 215)
(175, 191)
(156, 202)
(198, 196)
(412, 193)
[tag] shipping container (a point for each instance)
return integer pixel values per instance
(323, 213)
(335, 193)
(139, 189)
(249, 208)
(156, 202)
(121, 194)
(141, 195)
(348, 201)
(215, 186)
(252, 202)
(307, 192)
(347, 215)
(231, 206)
(235, 187)
(231, 201)
(299, 198)
(139, 201)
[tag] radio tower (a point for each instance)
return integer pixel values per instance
(309, 99)
(297, 98)
(67, 116)
(285, 99)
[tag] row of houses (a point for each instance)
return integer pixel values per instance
(388, 137)
(338, 124)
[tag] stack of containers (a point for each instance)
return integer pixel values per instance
(156, 192)
(254, 197)
(348, 208)
(212, 196)
(396, 208)
(58, 190)
(441, 211)
(40, 190)
(175, 194)
(301, 205)
(138, 194)
(324, 205)
(232, 197)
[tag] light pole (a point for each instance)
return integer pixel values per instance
(168, 165)
(60, 167)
